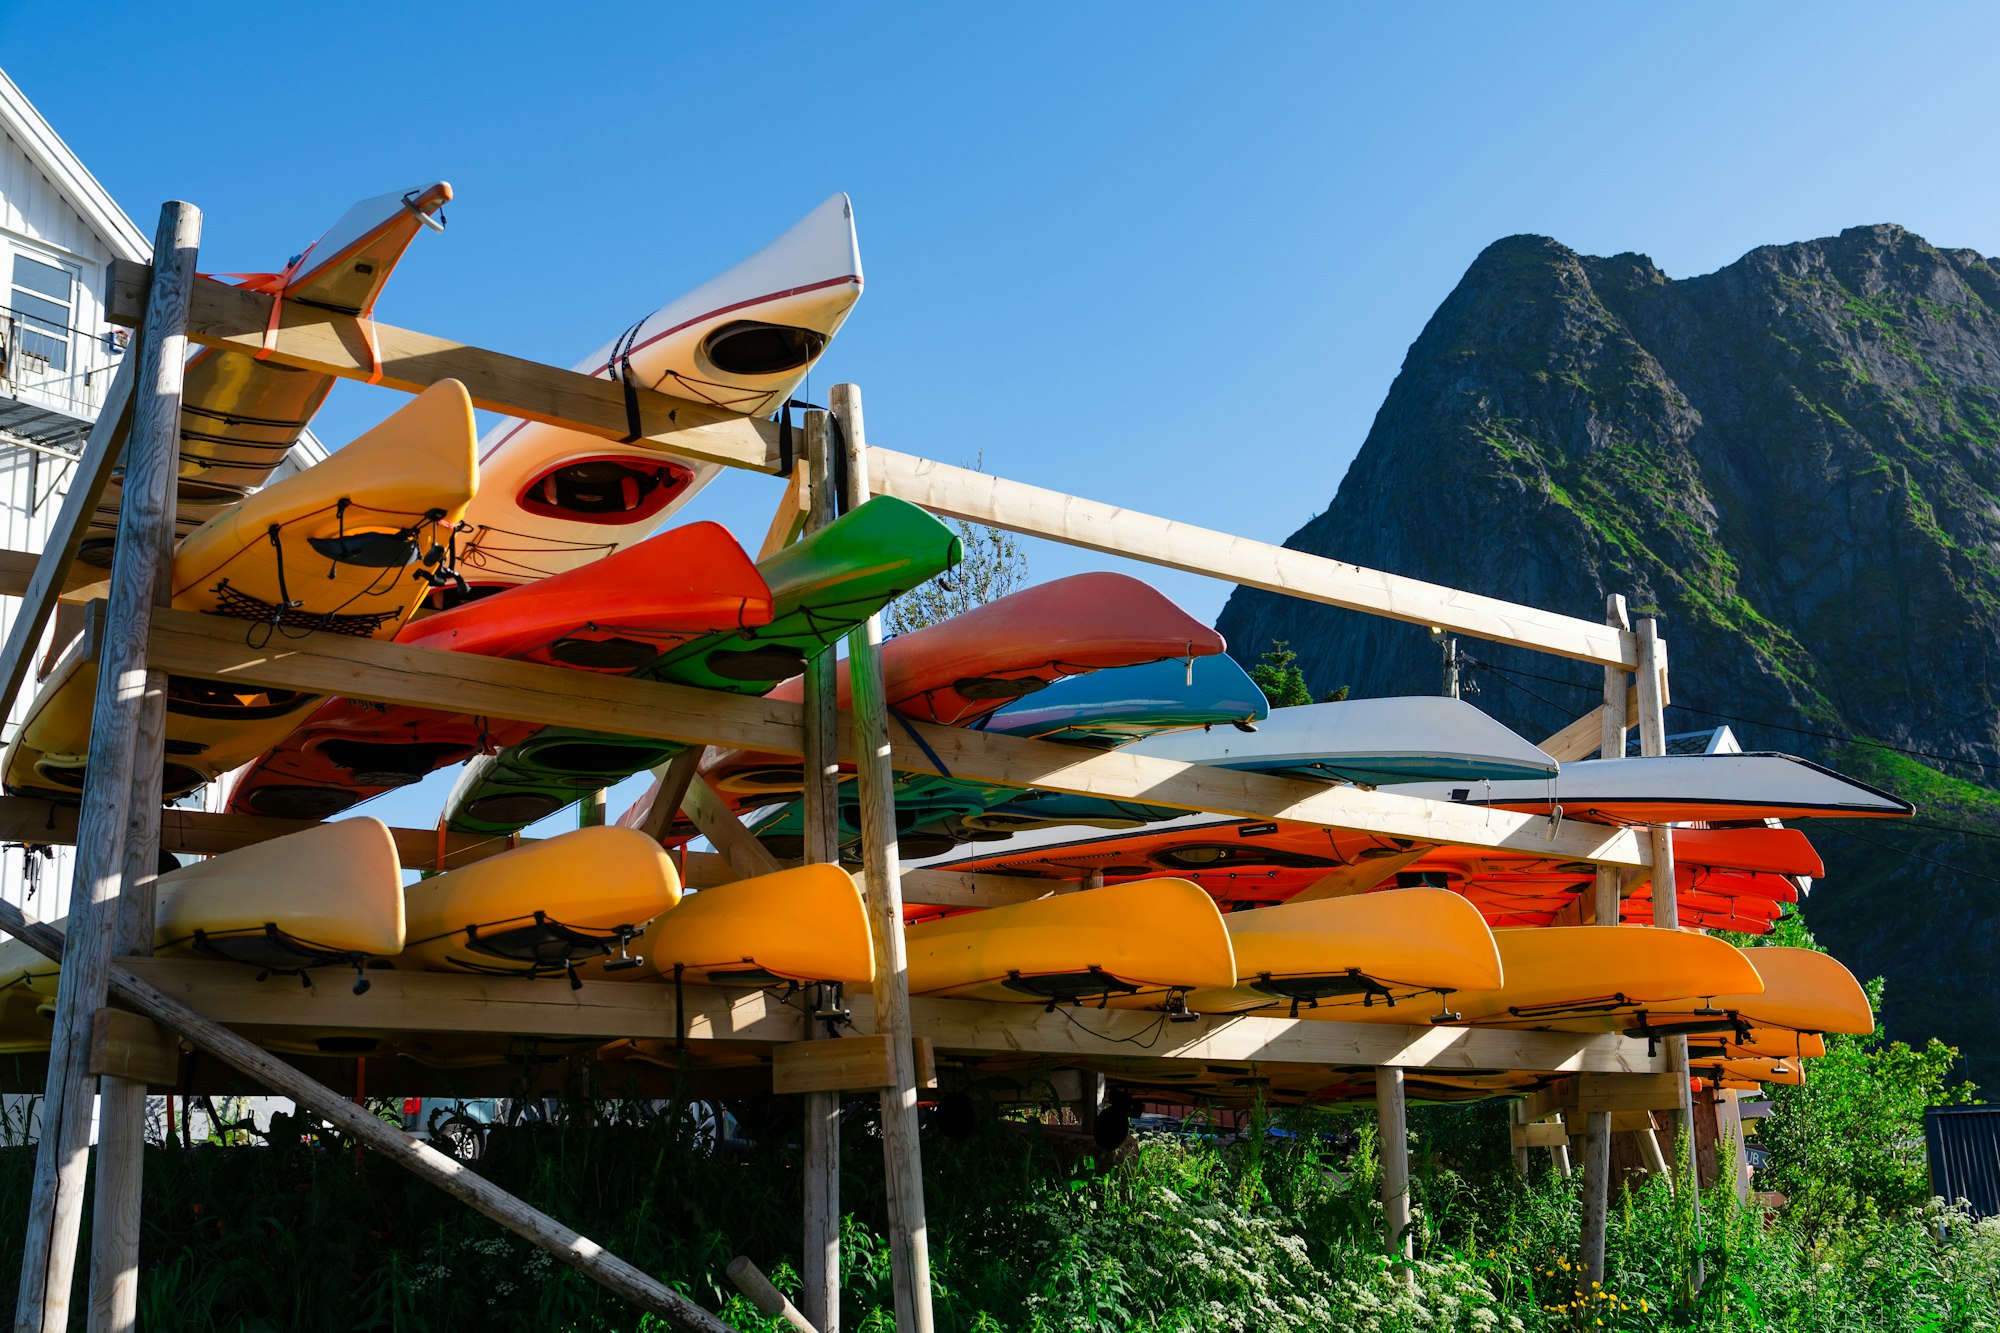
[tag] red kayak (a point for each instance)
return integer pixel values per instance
(960, 670)
(1736, 879)
(612, 617)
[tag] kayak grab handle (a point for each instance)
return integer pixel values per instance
(433, 221)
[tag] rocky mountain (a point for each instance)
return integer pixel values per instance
(1794, 463)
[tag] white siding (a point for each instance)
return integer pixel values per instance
(31, 484)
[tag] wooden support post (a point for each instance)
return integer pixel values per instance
(1729, 1107)
(1611, 745)
(1596, 1191)
(1559, 1159)
(1651, 674)
(814, 484)
(1607, 899)
(419, 1158)
(1393, 1142)
(120, 753)
(909, 1240)
(1649, 1149)
(1520, 1119)
(121, 1109)
(670, 786)
(770, 1302)
(747, 856)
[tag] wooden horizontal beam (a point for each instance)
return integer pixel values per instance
(210, 833)
(132, 1046)
(1657, 1088)
(608, 1010)
(17, 573)
(1031, 510)
(845, 1064)
(1551, 1134)
(310, 338)
(216, 649)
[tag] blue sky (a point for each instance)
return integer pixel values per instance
(1165, 255)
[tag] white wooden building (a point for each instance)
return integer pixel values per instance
(59, 229)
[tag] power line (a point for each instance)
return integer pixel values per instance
(1732, 717)
(1915, 856)
(1933, 825)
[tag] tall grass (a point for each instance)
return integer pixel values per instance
(1279, 1231)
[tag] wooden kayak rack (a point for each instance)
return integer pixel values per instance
(119, 828)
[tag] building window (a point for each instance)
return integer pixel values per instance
(43, 299)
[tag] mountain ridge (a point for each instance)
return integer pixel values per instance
(1794, 463)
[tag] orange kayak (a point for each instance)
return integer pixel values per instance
(613, 616)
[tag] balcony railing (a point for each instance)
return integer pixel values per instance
(52, 382)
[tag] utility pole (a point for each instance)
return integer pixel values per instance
(1448, 644)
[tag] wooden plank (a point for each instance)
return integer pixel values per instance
(210, 833)
(1596, 1194)
(1584, 738)
(746, 856)
(902, 1157)
(79, 506)
(1625, 1092)
(957, 888)
(311, 338)
(452, 1003)
(669, 789)
(813, 507)
(139, 563)
(770, 1302)
(1034, 511)
(213, 648)
(564, 1244)
(1621, 701)
(1392, 1116)
(789, 519)
(1579, 740)
(841, 1064)
(17, 572)
(132, 1046)
(1546, 1134)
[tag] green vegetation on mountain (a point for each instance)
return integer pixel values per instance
(1794, 463)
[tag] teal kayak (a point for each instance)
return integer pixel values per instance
(1101, 709)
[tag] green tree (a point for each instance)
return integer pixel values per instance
(995, 564)
(1848, 1145)
(1277, 674)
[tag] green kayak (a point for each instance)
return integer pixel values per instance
(822, 586)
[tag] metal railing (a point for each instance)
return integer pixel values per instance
(76, 389)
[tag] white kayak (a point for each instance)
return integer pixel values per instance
(1368, 742)
(552, 499)
(1681, 788)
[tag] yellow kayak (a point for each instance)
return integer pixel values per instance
(542, 907)
(806, 924)
(1803, 991)
(331, 894)
(1751, 1071)
(1779, 1044)
(1364, 951)
(1585, 978)
(1160, 934)
(27, 999)
(343, 547)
